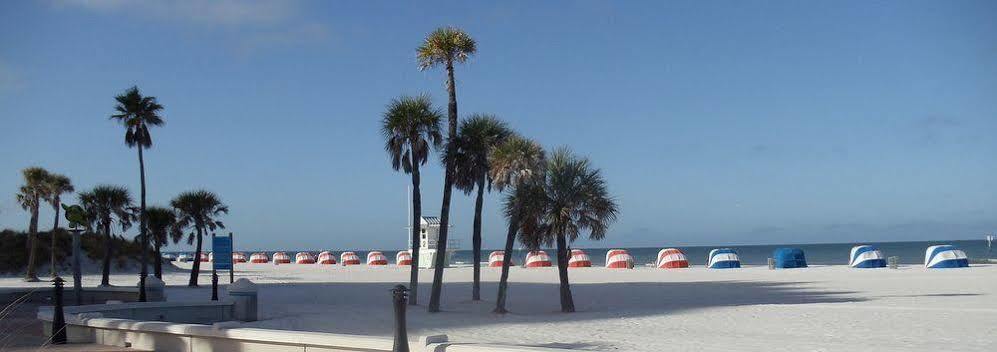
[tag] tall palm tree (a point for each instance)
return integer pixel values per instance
(445, 46)
(577, 200)
(477, 136)
(411, 127)
(57, 186)
(517, 165)
(198, 209)
(137, 113)
(108, 204)
(162, 222)
(31, 193)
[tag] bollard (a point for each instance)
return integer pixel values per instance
(771, 264)
(244, 294)
(214, 285)
(400, 296)
(58, 319)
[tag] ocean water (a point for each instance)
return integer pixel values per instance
(820, 254)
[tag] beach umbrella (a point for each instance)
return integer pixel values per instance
(349, 258)
(495, 259)
(238, 257)
(723, 258)
(579, 259)
(537, 259)
(866, 256)
(945, 256)
(403, 258)
(259, 257)
(619, 259)
(787, 258)
(281, 258)
(207, 257)
(376, 258)
(304, 258)
(326, 258)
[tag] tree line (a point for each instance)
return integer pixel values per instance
(548, 200)
(109, 207)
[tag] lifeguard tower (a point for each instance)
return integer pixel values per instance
(429, 241)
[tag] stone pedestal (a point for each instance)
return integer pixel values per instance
(155, 289)
(244, 293)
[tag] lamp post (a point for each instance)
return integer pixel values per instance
(399, 296)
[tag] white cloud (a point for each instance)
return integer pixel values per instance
(251, 25)
(218, 12)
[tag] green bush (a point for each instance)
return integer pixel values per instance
(14, 249)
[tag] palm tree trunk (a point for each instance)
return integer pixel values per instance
(196, 268)
(510, 239)
(416, 233)
(441, 244)
(476, 241)
(55, 228)
(142, 231)
(105, 278)
(158, 263)
(567, 303)
(29, 275)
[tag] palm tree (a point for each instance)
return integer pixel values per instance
(198, 209)
(576, 200)
(31, 193)
(162, 222)
(107, 204)
(445, 46)
(57, 186)
(478, 135)
(411, 126)
(137, 112)
(516, 165)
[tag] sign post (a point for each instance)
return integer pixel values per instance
(221, 249)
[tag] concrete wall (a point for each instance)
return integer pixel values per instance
(91, 295)
(104, 324)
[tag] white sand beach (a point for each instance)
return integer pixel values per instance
(821, 308)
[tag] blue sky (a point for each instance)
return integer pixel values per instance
(714, 122)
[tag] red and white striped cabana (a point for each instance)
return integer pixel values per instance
(619, 259)
(304, 258)
(495, 259)
(238, 257)
(376, 258)
(537, 259)
(281, 258)
(403, 258)
(326, 258)
(672, 258)
(579, 259)
(206, 257)
(349, 258)
(259, 257)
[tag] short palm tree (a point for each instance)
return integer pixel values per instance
(57, 186)
(198, 209)
(516, 166)
(108, 204)
(162, 221)
(576, 200)
(137, 113)
(411, 127)
(445, 46)
(32, 192)
(477, 136)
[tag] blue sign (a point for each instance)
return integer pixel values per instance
(221, 248)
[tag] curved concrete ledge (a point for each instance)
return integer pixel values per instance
(89, 324)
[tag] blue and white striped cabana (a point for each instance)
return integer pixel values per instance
(866, 256)
(945, 256)
(723, 258)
